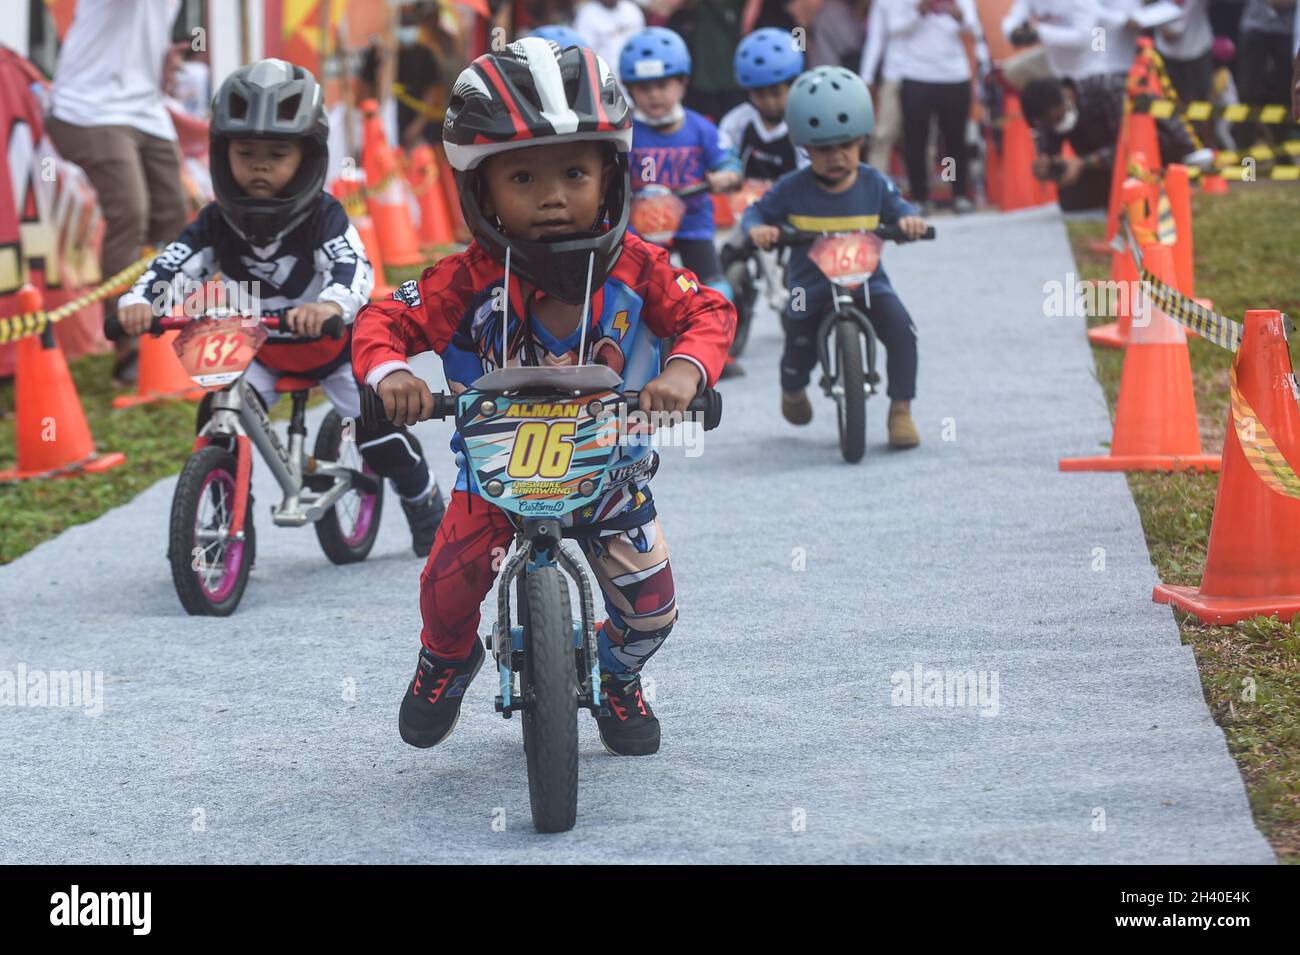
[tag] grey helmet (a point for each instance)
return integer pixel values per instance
(829, 105)
(269, 99)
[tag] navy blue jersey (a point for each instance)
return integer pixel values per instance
(796, 200)
(322, 260)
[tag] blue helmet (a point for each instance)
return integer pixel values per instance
(653, 54)
(767, 57)
(564, 35)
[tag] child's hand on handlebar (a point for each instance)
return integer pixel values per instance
(724, 181)
(673, 389)
(912, 226)
(135, 319)
(764, 235)
(306, 320)
(406, 398)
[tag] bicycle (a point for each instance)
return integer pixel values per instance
(539, 444)
(849, 375)
(211, 537)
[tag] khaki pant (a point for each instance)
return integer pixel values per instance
(138, 179)
(889, 125)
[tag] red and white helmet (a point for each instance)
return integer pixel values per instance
(532, 93)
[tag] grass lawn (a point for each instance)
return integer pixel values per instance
(1246, 255)
(156, 439)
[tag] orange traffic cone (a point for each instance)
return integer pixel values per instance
(1155, 417)
(1123, 273)
(161, 375)
(435, 221)
(387, 197)
(1019, 189)
(52, 435)
(1214, 185)
(1252, 567)
(447, 179)
(992, 171)
(348, 190)
(1178, 188)
(723, 217)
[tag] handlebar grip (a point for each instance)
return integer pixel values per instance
(372, 406)
(333, 327)
(710, 403)
(114, 331)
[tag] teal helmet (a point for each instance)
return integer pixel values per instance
(829, 105)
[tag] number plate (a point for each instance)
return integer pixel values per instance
(543, 451)
(216, 351)
(656, 214)
(847, 259)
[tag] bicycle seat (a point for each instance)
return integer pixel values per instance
(288, 384)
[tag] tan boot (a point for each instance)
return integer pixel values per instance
(796, 407)
(902, 429)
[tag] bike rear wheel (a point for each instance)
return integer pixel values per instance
(348, 530)
(209, 569)
(550, 693)
(744, 293)
(851, 398)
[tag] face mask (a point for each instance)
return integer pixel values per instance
(1067, 121)
(674, 115)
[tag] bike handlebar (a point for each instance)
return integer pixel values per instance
(790, 236)
(445, 406)
(334, 326)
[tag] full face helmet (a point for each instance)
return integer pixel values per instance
(535, 94)
(269, 99)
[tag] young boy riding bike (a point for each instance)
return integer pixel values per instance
(539, 141)
(830, 114)
(274, 230)
(766, 63)
(673, 146)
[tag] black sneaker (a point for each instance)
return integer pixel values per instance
(631, 728)
(431, 706)
(424, 515)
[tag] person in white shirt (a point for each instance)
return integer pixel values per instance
(606, 25)
(876, 56)
(1184, 44)
(107, 116)
(1066, 28)
(925, 39)
(1121, 36)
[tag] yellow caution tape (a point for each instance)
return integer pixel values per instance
(15, 327)
(1260, 450)
(1273, 114)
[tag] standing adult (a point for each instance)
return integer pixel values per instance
(1122, 32)
(107, 116)
(879, 67)
(1066, 29)
(606, 25)
(926, 36)
(712, 30)
(1184, 44)
(1264, 53)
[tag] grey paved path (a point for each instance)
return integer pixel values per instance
(781, 740)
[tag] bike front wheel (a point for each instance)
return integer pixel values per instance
(550, 693)
(851, 393)
(209, 567)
